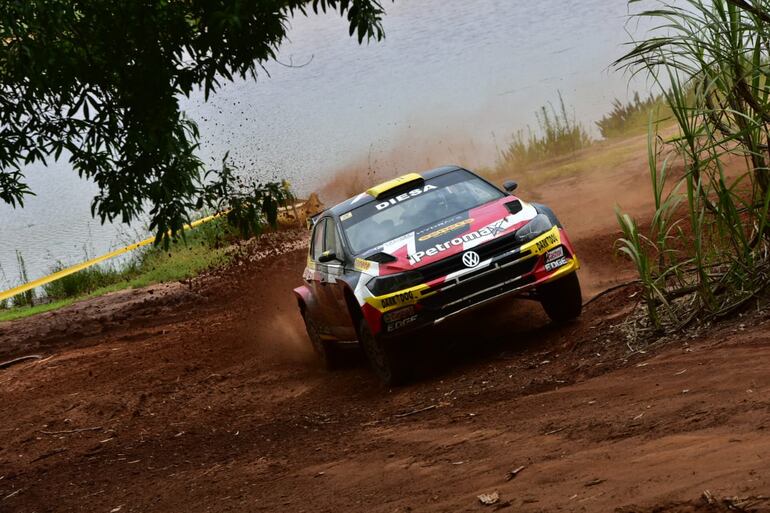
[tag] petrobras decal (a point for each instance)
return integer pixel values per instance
(405, 196)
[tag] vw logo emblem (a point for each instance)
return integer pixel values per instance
(470, 259)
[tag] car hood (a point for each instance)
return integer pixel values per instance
(452, 235)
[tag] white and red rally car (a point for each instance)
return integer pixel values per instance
(412, 252)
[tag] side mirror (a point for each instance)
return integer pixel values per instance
(510, 185)
(327, 256)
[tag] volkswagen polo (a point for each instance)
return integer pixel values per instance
(410, 253)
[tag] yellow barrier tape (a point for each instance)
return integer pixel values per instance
(79, 267)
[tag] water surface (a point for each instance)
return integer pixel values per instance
(451, 82)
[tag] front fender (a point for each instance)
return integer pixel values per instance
(305, 300)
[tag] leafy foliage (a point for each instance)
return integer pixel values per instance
(250, 205)
(558, 134)
(99, 82)
(708, 250)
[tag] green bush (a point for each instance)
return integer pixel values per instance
(82, 282)
(707, 253)
(558, 134)
(632, 117)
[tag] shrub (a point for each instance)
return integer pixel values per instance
(631, 117)
(558, 134)
(82, 282)
(708, 247)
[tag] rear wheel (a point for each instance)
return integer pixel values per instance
(385, 356)
(562, 299)
(327, 351)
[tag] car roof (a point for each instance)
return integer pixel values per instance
(364, 198)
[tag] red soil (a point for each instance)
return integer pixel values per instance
(206, 396)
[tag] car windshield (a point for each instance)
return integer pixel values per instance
(375, 223)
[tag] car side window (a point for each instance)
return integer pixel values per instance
(331, 240)
(318, 240)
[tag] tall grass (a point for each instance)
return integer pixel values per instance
(201, 247)
(558, 134)
(82, 282)
(5, 303)
(25, 298)
(708, 249)
(633, 116)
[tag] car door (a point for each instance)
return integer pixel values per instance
(338, 314)
(315, 276)
(325, 282)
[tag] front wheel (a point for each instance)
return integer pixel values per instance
(561, 298)
(385, 356)
(327, 351)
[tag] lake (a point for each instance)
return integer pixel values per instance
(451, 82)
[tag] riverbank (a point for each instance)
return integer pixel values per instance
(204, 247)
(215, 244)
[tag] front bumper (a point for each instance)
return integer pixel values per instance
(506, 270)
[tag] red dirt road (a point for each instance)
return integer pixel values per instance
(206, 397)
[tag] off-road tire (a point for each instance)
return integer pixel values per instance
(327, 351)
(561, 298)
(385, 357)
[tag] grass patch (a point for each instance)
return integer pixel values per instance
(20, 312)
(558, 134)
(633, 118)
(205, 247)
(81, 282)
(601, 155)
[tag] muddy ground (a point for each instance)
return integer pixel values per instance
(205, 396)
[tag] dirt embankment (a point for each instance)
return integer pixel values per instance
(205, 396)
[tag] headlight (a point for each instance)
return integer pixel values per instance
(393, 283)
(537, 226)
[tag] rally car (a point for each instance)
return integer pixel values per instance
(415, 251)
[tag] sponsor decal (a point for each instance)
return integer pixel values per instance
(362, 265)
(400, 324)
(488, 231)
(550, 266)
(445, 230)
(554, 254)
(403, 197)
(346, 216)
(551, 239)
(471, 259)
(397, 299)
